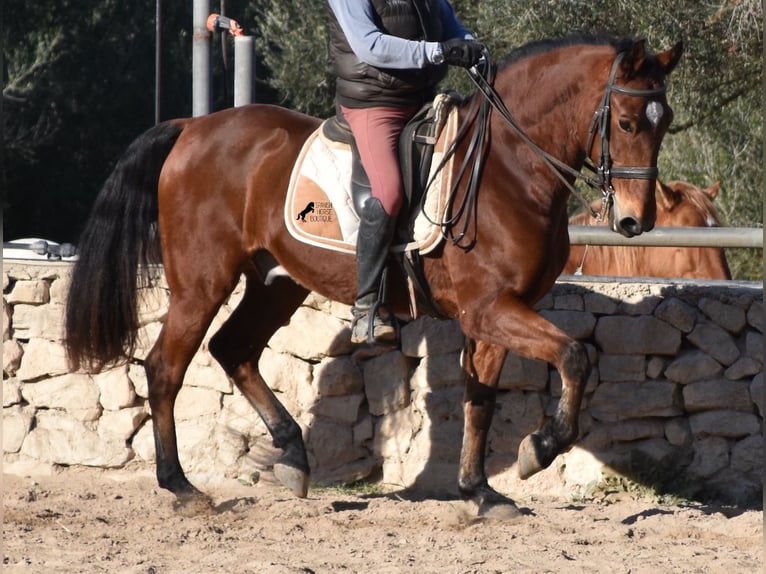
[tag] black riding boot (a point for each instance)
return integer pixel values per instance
(376, 228)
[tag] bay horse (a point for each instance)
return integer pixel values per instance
(205, 197)
(679, 204)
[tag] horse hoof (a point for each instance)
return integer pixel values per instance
(529, 459)
(297, 481)
(192, 504)
(504, 511)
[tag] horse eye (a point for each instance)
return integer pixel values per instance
(626, 126)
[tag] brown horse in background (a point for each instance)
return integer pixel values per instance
(679, 204)
(208, 193)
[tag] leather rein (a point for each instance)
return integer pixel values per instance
(482, 76)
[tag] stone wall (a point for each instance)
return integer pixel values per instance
(675, 398)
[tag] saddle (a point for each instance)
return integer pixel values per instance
(323, 205)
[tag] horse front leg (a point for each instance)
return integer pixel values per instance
(482, 364)
(513, 324)
(538, 450)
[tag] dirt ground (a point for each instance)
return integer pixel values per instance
(86, 520)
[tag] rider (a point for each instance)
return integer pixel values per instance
(388, 56)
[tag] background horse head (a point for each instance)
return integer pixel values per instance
(210, 191)
(679, 204)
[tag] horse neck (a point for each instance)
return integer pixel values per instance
(553, 96)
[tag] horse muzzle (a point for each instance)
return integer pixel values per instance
(629, 224)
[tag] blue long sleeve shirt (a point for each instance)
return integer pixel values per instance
(376, 48)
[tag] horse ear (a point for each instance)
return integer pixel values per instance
(665, 195)
(669, 58)
(712, 191)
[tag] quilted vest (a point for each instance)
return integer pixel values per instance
(360, 85)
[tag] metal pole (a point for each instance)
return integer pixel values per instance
(670, 236)
(157, 59)
(201, 95)
(243, 70)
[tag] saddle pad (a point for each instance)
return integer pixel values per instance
(319, 209)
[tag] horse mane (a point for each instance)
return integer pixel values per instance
(536, 47)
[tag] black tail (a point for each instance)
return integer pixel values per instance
(119, 237)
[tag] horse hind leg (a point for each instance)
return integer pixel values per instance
(238, 345)
(165, 367)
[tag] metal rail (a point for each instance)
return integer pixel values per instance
(751, 237)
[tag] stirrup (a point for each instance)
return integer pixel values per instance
(377, 330)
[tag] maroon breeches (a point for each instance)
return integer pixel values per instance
(376, 131)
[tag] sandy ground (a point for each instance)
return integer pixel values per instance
(85, 520)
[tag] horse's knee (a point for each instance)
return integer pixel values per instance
(575, 365)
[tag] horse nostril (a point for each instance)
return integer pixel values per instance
(629, 227)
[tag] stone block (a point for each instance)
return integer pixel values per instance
(617, 368)
(743, 368)
(12, 355)
(386, 383)
(754, 346)
(7, 314)
(76, 393)
(60, 439)
(577, 324)
(438, 371)
(569, 302)
(394, 433)
(717, 394)
(519, 411)
(755, 315)
(42, 358)
(16, 424)
(678, 432)
(121, 424)
(313, 335)
(600, 304)
(343, 409)
(711, 454)
(692, 366)
(677, 313)
(646, 335)
(655, 366)
(11, 392)
(520, 373)
(284, 372)
(116, 389)
(757, 393)
(747, 455)
(195, 402)
(715, 341)
(638, 303)
(208, 377)
(429, 336)
(731, 318)
(331, 444)
(619, 401)
(238, 415)
(335, 376)
(729, 424)
(33, 292)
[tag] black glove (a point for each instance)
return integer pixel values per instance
(463, 53)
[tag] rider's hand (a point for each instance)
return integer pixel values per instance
(463, 53)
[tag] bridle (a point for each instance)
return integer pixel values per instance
(482, 76)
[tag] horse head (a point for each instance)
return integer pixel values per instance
(630, 124)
